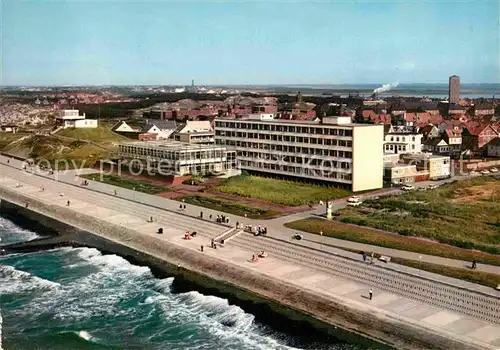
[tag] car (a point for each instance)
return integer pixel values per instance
(432, 187)
(407, 188)
(353, 199)
(354, 204)
(485, 172)
(493, 170)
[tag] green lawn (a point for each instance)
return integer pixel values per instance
(138, 185)
(277, 191)
(229, 207)
(99, 134)
(464, 214)
(7, 137)
(369, 236)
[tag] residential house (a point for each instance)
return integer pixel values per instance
(437, 145)
(122, 126)
(476, 135)
(493, 149)
(482, 109)
(429, 132)
(452, 134)
(162, 128)
(400, 143)
(71, 118)
(199, 132)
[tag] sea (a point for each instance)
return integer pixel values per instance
(79, 298)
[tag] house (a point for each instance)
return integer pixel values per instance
(402, 143)
(400, 173)
(482, 109)
(438, 166)
(429, 132)
(162, 128)
(200, 132)
(123, 127)
(9, 128)
(71, 118)
(452, 134)
(493, 149)
(437, 145)
(476, 135)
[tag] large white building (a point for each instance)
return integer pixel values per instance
(333, 150)
(179, 159)
(71, 118)
(401, 140)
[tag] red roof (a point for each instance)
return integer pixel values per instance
(475, 128)
(423, 117)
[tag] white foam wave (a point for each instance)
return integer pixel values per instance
(87, 336)
(10, 233)
(110, 263)
(15, 281)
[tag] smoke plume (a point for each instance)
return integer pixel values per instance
(385, 87)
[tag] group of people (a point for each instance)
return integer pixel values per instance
(222, 219)
(256, 257)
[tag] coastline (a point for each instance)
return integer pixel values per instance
(242, 287)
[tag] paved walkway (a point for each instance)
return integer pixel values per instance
(275, 226)
(313, 273)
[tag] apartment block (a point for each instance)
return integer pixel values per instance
(333, 149)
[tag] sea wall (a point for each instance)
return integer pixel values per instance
(255, 293)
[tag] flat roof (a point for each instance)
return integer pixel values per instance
(172, 145)
(299, 122)
(422, 156)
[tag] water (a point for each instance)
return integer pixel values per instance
(77, 298)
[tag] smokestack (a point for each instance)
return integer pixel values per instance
(192, 82)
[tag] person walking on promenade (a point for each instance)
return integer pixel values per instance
(68, 203)
(364, 256)
(210, 216)
(201, 214)
(237, 224)
(180, 206)
(201, 248)
(115, 193)
(474, 264)
(184, 206)
(371, 294)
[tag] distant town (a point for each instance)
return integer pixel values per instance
(359, 141)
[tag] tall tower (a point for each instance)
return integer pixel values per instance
(192, 82)
(454, 89)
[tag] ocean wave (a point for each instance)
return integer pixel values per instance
(110, 262)
(10, 233)
(16, 281)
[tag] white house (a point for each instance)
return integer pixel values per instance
(122, 126)
(437, 145)
(71, 118)
(200, 132)
(400, 143)
(162, 128)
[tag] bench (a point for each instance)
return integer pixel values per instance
(384, 258)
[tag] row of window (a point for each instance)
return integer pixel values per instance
(403, 138)
(286, 149)
(165, 154)
(284, 138)
(306, 161)
(284, 128)
(297, 170)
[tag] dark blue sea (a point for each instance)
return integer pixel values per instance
(78, 298)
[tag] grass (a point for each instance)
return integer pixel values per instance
(6, 138)
(138, 185)
(384, 239)
(277, 191)
(229, 207)
(99, 134)
(464, 214)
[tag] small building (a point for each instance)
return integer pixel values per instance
(438, 166)
(493, 148)
(195, 132)
(429, 131)
(162, 128)
(122, 126)
(399, 173)
(177, 159)
(437, 145)
(476, 135)
(71, 118)
(11, 128)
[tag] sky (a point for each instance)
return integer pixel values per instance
(248, 42)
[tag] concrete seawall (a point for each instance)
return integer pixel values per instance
(254, 292)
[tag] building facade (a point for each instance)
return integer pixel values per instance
(333, 150)
(494, 148)
(439, 167)
(195, 132)
(400, 143)
(454, 89)
(71, 118)
(404, 173)
(179, 159)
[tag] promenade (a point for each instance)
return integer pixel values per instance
(403, 296)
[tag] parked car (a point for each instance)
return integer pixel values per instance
(485, 172)
(407, 188)
(354, 201)
(493, 170)
(432, 187)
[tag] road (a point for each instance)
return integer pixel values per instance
(436, 306)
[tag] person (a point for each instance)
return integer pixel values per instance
(364, 256)
(150, 219)
(321, 233)
(210, 216)
(26, 205)
(237, 224)
(180, 206)
(212, 244)
(184, 206)
(371, 294)
(8, 161)
(67, 203)
(115, 192)
(227, 220)
(265, 230)
(201, 214)
(201, 247)
(474, 264)
(43, 189)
